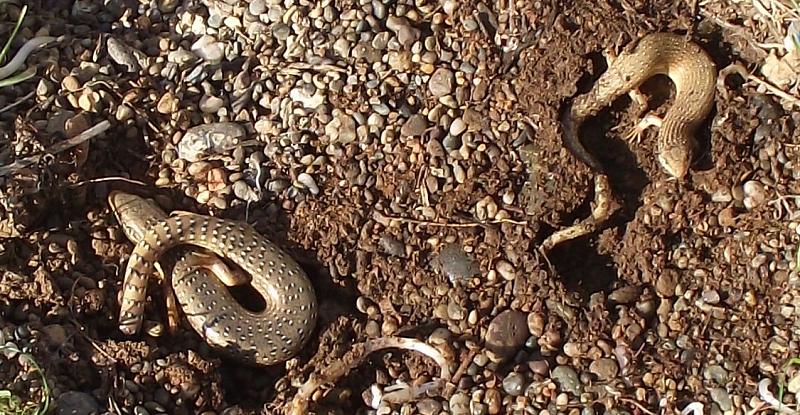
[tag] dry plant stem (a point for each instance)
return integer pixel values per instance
(354, 358)
(56, 148)
(17, 102)
(454, 225)
(739, 69)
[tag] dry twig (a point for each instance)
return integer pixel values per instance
(56, 148)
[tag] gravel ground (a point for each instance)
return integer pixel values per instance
(408, 155)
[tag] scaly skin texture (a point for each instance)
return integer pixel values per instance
(266, 337)
(690, 69)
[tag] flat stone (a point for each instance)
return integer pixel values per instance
(76, 403)
(441, 82)
(507, 333)
(414, 126)
(604, 368)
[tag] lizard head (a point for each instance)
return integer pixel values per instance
(134, 213)
(675, 160)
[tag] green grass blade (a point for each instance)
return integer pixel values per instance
(14, 33)
(20, 77)
(10, 403)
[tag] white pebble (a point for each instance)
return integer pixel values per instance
(308, 182)
(506, 270)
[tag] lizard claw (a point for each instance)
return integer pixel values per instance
(635, 134)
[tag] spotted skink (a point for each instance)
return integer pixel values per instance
(266, 337)
(690, 69)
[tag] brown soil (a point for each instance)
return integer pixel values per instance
(621, 285)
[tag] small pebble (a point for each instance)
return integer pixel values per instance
(567, 380)
(514, 384)
(507, 333)
(604, 368)
(459, 404)
(441, 82)
(308, 182)
(722, 398)
(76, 403)
(456, 264)
(754, 194)
(506, 270)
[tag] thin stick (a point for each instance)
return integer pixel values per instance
(108, 179)
(17, 102)
(455, 225)
(56, 148)
(355, 357)
(775, 90)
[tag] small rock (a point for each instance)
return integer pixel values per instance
(122, 55)
(455, 311)
(167, 104)
(257, 7)
(455, 263)
(243, 191)
(624, 295)
(308, 182)
(604, 368)
(572, 349)
(722, 398)
(457, 127)
(441, 82)
(567, 379)
(181, 56)
(506, 270)
(429, 406)
(406, 34)
(451, 142)
(493, 400)
(208, 49)
(305, 97)
(76, 403)
(539, 367)
(56, 334)
(414, 126)
(89, 101)
(10, 351)
(794, 384)
(399, 60)
(341, 129)
(754, 194)
(209, 139)
(478, 408)
(459, 404)
(710, 296)
(71, 83)
(716, 373)
(167, 6)
(342, 47)
(124, 113)
(210, 105)
(666, 283)
(727, 217)
(440, 336)
(722, 196)
(392, 246)
(507, 333)
(514, 384)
